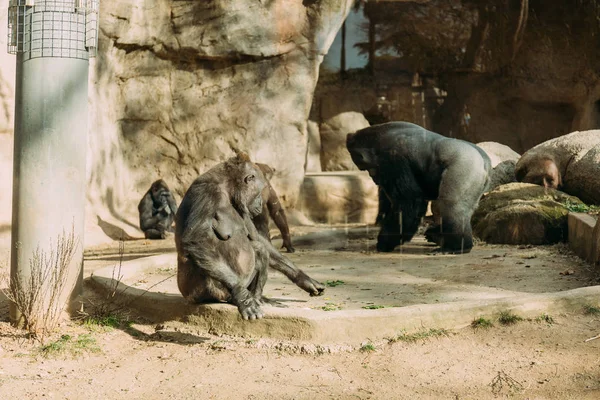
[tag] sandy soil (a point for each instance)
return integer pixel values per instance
(548, 359)
(530, 360)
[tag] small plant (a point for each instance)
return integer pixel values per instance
(589, 309)
(580, 207)
(85, 342)
(66, 344)
(334, 283)
(481, 322)
(330, 307)
(106, 322)
(413, 337)
(508, 318)
(545, 318)
(368, 348)
(373, 307)
(39, 295)
(56, 346)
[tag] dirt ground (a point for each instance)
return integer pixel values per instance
(547, 358)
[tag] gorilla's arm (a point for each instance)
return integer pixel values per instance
(278, 216)
(282, 264)
(172, 203)
(145, 208)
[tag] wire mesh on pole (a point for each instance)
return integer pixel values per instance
(58, 28)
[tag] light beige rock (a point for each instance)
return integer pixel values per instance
(498, 152)
(339, 197)
(334, 154)
(576, 156)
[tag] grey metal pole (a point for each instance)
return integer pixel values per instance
(50, 138)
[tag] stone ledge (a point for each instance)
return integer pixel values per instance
(584, 236)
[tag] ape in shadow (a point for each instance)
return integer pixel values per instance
(272, 207)
(157, 211)
(220, 254)
(412, 165)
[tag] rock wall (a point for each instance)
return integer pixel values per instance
(178, 86)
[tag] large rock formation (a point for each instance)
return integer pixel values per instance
(179, 85)
(576, 157)
(522, 213)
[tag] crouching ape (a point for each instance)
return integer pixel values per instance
(220, 254)
(412, 165)
(272, 207)
(157, 211)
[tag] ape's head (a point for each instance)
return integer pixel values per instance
(246, 184)
(158, 190)
(362, 146)
(542, 171)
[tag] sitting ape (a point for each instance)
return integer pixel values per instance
(412, 165)
(157, 211)
(220, 255)
(272, 207)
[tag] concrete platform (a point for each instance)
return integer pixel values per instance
(373, 295)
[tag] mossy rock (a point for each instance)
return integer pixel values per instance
(521, 213)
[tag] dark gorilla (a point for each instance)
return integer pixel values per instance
(221, 256)
(272, 207)
(157, 211)
(412, 165)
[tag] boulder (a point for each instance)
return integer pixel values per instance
(498, 152)
(334, 155)
(582, 177)
(574, 156)
(502, 174)
(339, 197)
(503, 160)
(521, 213)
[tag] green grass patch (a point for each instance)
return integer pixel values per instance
(373, 307)
(368, 348)
(67, 344)
(580, 207)
(422, 335)
(481, 322)
(545, 318)
(334, 283)
(508, 318)
(589, 309)
(106, 321)
(56, 347)
(330, 307)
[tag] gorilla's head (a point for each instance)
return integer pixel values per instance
(362, 146)
(543, 172)
(246, 184)
(159, 190)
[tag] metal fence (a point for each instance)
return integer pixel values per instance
(59, 28)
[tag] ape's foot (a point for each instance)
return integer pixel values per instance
(290, 248)
(432, 234)
(385, 247)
